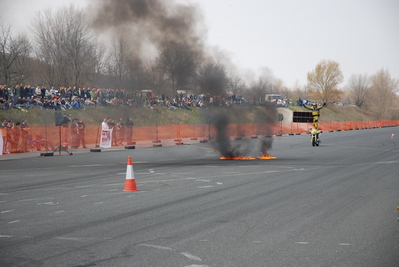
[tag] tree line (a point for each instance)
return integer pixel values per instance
(64, 51)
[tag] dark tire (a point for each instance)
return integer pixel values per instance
(95, 150)
(130, 147)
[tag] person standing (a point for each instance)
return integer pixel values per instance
(129, 130)
(104, 124)
(114, 134)
(74, 134)
(315, 113)
(17, 136)
(120, 128)
(81, 133)
(65, 127)
(24, 135)
(3, 128)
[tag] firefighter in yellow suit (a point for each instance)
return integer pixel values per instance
(315, 113)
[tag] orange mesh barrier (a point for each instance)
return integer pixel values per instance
(47, 137)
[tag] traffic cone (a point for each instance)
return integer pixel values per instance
(130, 183)
(392, 135)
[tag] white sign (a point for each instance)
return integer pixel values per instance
(106, 138)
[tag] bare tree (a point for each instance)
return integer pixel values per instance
(259, 89)
(156, 77)
(323, 81)
(117, 60)
(236, 85)
(383, 90)
(212, 78)
(65, 45)
(359, 87)
(14, 56)
(180, 61)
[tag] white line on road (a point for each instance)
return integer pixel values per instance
(344, 244)
(205, 186)
(60, 211)
(302, 243)
(7, 211)
(2, 236)
(14, 221)
(34, 199)
(190, 256)
(155, 246)
(202, 180)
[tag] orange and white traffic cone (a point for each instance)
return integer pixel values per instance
(392, 135)
(130, 183)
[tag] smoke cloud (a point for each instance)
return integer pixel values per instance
(220, 118)
(150, 24)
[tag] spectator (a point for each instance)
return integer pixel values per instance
(24, 135)
(74, 134)
(81, 134)
(129, 130)
(17, 134)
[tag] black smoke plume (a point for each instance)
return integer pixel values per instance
(221, 118)
(150, 24)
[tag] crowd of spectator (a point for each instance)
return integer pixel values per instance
(64, 98)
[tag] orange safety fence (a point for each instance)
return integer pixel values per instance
(47, 137)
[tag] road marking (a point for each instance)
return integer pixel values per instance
(34, 199)
(98, 203)
(344, 244)
(302, 243)
(14, 221)
(60, 211)
(48, 203)
(7, 211)
(155, 246)
(2, 236)
(191, 256)
(205, 186)
(92, 165)
(70, 238)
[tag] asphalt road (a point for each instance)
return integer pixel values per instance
(333, 205)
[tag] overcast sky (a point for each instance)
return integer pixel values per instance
(289, 37)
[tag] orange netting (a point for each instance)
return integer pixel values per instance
(47, 137)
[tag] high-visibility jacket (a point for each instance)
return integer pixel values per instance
(315, 111)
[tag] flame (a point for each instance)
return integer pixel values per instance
(266, 156)
(238, 158)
